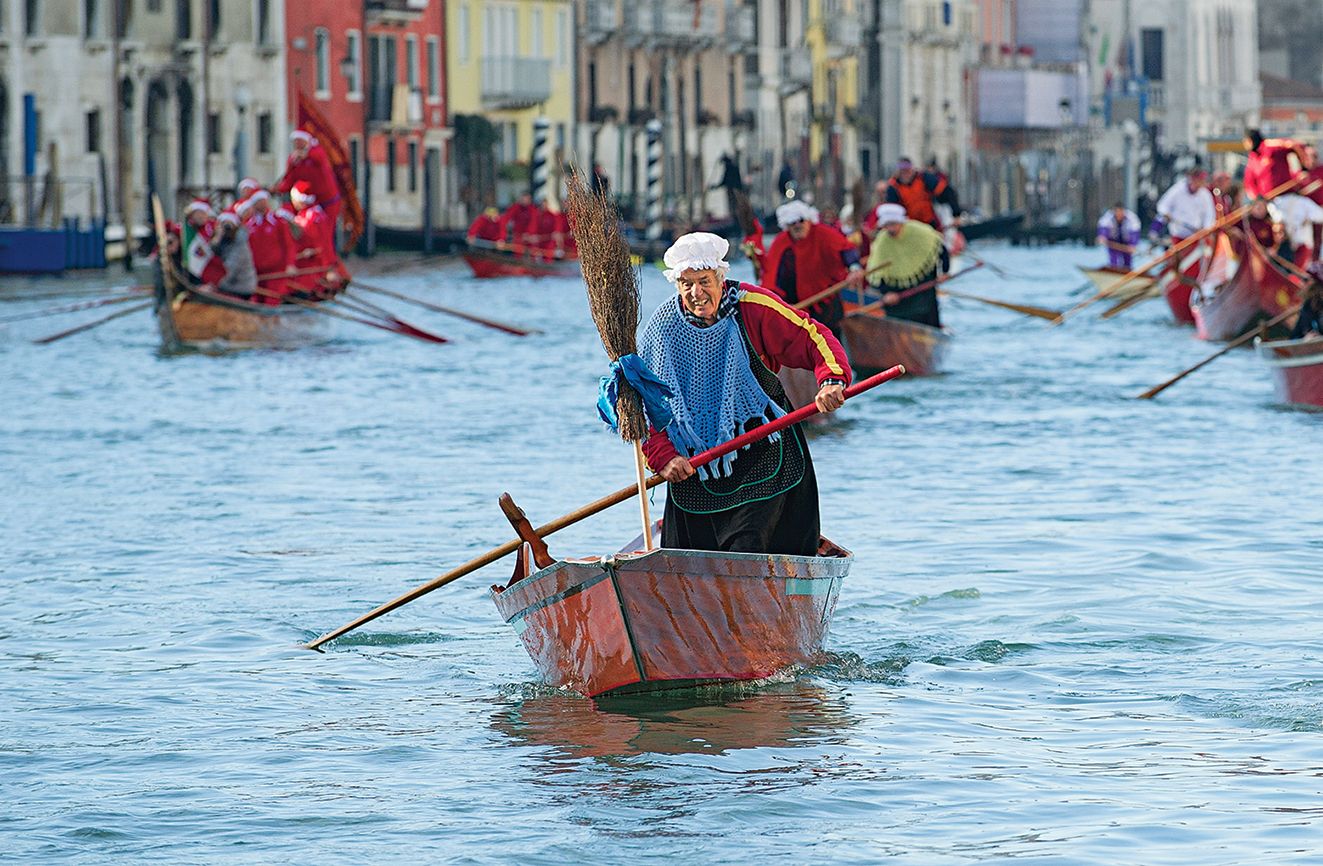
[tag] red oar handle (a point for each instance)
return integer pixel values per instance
(764, 430)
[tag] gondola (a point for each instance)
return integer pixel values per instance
(206, 320)
(1297, 367)
(1105, 280)
(875, 342)
(1258, 290)
(1192, 268)
(488, 260)
(671, 619)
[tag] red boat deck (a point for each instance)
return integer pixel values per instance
(1297, 367)
(672, 618)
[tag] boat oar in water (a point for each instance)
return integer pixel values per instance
(835, 289)
(1239, 341)
(623, 495)
(361, 306)
(449, 311)
(405, 330)
(87, 326)
(1176, 249)
(73, 308)
(1026, 309)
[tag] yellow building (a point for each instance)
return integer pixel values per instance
(833, 40)
(508, 62)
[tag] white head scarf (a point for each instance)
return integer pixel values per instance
(793, 211)
(890, 213)
(696, 251)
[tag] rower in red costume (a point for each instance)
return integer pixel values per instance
(918, 191)
(487, 227)
(316, 242)
(271, 243)
(199, 259)
(1312, 188)
(1259, 224)
(517, 223)
(806, 258)
(1270, 162)
(309, 162)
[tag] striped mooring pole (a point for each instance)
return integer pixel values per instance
(538, 167)
(654, 209)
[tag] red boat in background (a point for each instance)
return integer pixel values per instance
(489, 260)
(1260, 289)
(875, 342)
(1297, 367)
(1186, 273)
(668, 619)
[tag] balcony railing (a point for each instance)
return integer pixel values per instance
(740, 27)
(1157, 96)
(842, 33)
(600, 20)
(796, 68)
(396, 11)
(515, 82)
(684, 21)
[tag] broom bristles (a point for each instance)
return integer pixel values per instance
(744, 214)
(613, 291)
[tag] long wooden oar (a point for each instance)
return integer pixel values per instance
(73, 308)
(836, 289)
(1184, 244)
(449, 311)
(358, 305)
(301, 272)
(602, 504)
(1026, 309)
(1239, 341)
(914, 290)
(416, 333)
(87, 326)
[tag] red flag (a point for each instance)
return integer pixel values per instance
(312, 121)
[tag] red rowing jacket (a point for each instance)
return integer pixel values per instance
(272, 246)
(1271, 165)
(917, 196)
(818, 262)
(782, 337)
(316, 246)
(316, 169)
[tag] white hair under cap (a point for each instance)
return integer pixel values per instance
(890, 213)
(696, 251)
(793, 211)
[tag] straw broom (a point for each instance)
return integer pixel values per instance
(748, 223)
(613, 298)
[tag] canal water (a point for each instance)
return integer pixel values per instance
(1080, 627)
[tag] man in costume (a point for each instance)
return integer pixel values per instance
(308, 162)
(1270, 162)
(1118, 230)
(907, 254)
(1259, 224)
(487, 227)
(200, 259)
(518, 223)
(807, 258)
(919, 192)
(272, 246)
(716, 346)
(231, 246)
(1186, 207)
(316, 241)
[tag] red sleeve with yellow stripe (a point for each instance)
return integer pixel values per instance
(785, 337)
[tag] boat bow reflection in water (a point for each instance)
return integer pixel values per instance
(714, 720)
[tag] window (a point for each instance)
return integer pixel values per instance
(322, 49)
(123, 17)
(413, 166)
(183, 19)
(390, 164)
(31, 17)
(562, 38)
(152, 5)
(354, 51)
(1150, 41)
(433, 68)
(213, 132)
(464, 33)
(537, 34)
(265, 132)
(94, 131)
(353, 161)
(382, 76)
(264, 22)
(91, 19)
(213, 18)
(411, 62)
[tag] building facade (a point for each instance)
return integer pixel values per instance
(118, 99)
(508, 63)
(375, 71)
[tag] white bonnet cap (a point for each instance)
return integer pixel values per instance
(890, 213)
(793, 211)
(696, 251)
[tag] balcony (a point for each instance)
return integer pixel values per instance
(640, 22)
(796, 69)
(740, 28)
(600, 21)
(515, 82)
(394, 11)
(683, 23)
(1157, 96)
(843, 34)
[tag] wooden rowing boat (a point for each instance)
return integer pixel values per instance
(1193, 268)
(875, 342)
(1297, 367)
(211, 321)
(1258, 290)
(487, 263)
(1105, 278)
(669, 619)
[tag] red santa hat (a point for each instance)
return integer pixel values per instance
(199, 205)
(301, 194)
(229, 217)
(247, 186)
(302, 135)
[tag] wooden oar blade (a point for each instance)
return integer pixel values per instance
(87, 326)
(1025, 309)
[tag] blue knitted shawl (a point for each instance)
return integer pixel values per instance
(714, 394)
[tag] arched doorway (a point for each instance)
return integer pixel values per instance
(160, 178)
(186, 137)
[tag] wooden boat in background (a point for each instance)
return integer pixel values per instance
(875, 342)
(488, 260)
(1104, 280)
(1297, 367)
(199, 319)
(1260, 289)
(668, 619)
(801, 387)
